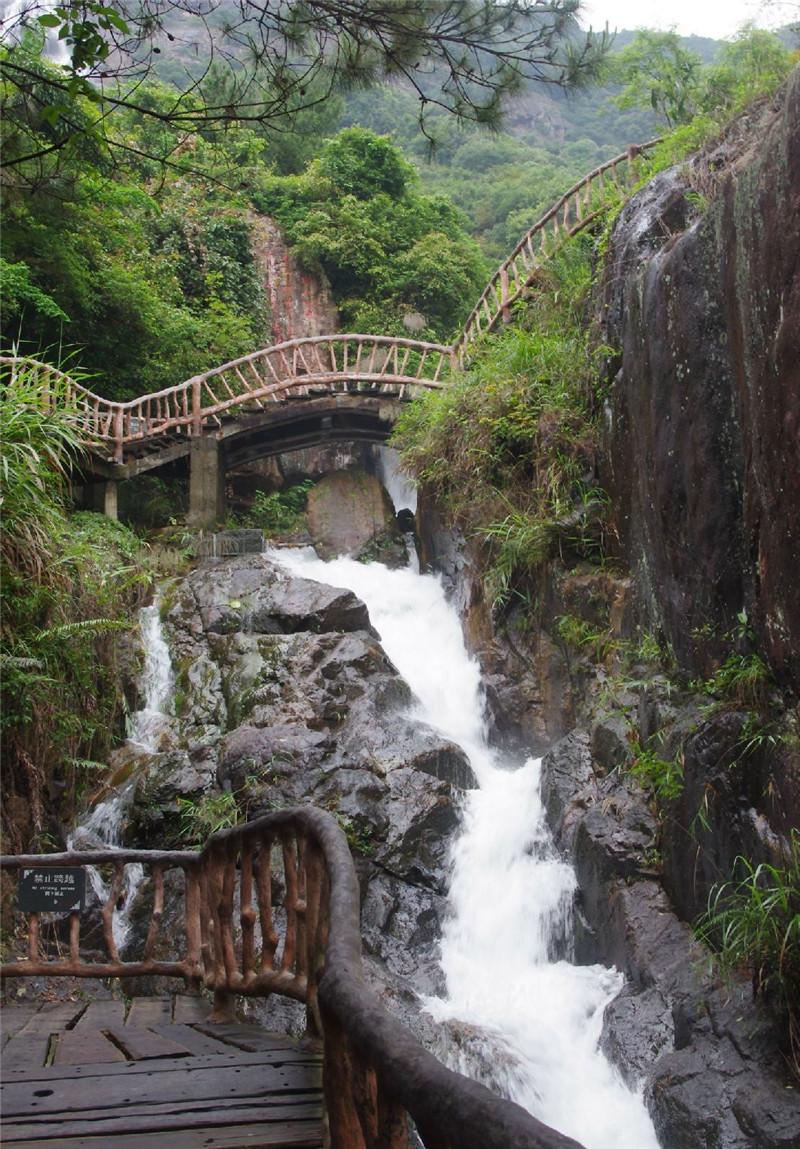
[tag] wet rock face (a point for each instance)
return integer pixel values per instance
(284, 696)
(707, 1054)
(347, 512)
(701, 446)
(300, 301)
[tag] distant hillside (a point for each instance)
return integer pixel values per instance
(502, 180)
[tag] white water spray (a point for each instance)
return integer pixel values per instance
(156, 683)
(510, 894)
(101, 829)
(17, 15)
(399, 486)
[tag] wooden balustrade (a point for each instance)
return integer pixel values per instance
(46, 945)
(573, 212)
(304, 368)
(293, 371)
(272, 906)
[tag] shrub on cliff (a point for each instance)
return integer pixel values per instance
(507, 448)
(69, 583)
(753, 925)
(387, 249)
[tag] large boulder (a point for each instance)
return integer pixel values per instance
(348, 511)
(284, 695)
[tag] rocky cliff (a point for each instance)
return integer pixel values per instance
(283, 694)
(702, 442)
(667, 761)
(300, 301)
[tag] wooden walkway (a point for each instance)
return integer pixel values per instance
(153, 1074)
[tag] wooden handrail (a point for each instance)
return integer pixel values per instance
(295, 370)
(376, 1075)
(572, 213)
(324, 364)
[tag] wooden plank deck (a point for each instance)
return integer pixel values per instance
(153, 1075)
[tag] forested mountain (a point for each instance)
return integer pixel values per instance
(130, 247)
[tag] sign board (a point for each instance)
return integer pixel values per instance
(46, 890)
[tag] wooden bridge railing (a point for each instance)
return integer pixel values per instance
(254, 927)
(576, 210)
(301, 368)
(298, 369)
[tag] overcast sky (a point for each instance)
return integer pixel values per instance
(717, 18)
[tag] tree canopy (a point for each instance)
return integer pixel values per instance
(238, 61)
(655, 68)
(658, 70)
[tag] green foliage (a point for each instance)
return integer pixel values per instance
(440, 276)
(520, 542)
(153, 290)
(199, 818)
(359, 837)
(264, 65)
(760, 733)
(70, 584)
(504, 180)
(386, 249)
(596, 642)
(742, 678)
(754, 63)
(646, 649)
(62, 703)
(362, 164)
(280, 512)
(507, 447)
(680, 143)
(656, 70)
(19, 294)
(662, 776)
(40, 435)
(699, 101)
(753, 924)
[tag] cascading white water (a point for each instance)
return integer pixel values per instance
(402, 491)
(399, 486)
(155, 683)
(510, 895)
(22, 14)
(101, 828)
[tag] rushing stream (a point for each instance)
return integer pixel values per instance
(102, 826)
(510, 895)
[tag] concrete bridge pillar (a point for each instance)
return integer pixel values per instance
(99, 495)
(206, 482)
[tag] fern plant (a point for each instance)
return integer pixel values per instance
(41, 438)
(753, 924)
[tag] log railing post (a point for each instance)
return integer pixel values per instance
(505, 309)
(118, 435)
(197, 415)
(193, 927)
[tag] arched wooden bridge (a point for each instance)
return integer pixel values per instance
(381, 1089)
(329, 365)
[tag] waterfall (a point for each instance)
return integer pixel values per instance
(20, 14)
(399, 486)
(537, 1016)
(101, 827)
(155, 683)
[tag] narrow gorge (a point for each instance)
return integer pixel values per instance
(546, 772)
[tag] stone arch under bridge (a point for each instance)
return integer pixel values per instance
(314, 422)
(298, 394)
